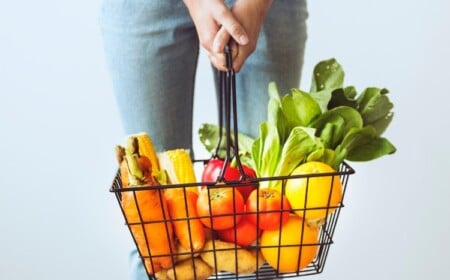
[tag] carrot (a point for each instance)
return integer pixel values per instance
(157, 235)
(146, 212)
(183, 212)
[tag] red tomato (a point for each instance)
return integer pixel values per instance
(268, 208)
(243, 234)
(218, 207)
(214, 166)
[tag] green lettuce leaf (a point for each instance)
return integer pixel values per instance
(328, 75)
(299, 108)
(300, 143)
(334, 124)
(209, 137)
(364, 144)
(343, 97)
(275, 112)
(266, 150)
(375, 108)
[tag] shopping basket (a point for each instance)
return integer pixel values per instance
(231, 256)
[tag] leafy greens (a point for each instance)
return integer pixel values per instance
(331, 123)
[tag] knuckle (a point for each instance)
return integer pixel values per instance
(222, 13)
(206, 42)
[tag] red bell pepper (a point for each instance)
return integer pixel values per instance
(212, 170)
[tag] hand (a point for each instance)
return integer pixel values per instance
(251, 15)
(209, 16)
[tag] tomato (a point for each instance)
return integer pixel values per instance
(243, 234)
(267, 208)
(323, 193)
(214, 166)
(292, 247)
(218, 207)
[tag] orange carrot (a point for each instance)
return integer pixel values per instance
(157, 235)
(183, 210)
(146, 212)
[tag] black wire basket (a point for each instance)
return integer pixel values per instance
(326, 228)
(305, 256)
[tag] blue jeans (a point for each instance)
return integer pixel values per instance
(152, 49)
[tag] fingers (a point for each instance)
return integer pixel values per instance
(221, 40)
(218, 59)
(239, 54)
(216, 28)
(228, 21)
(238, 62)
(217, 54)
(231, 31)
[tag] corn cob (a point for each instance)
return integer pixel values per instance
(178, 165)
(146, 148)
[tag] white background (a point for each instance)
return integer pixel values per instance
(59, 124)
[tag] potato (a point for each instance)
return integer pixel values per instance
(162, 275)
(226, 257)
(183, 254)
(185, 270)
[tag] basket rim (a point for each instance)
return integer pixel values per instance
(345, 169)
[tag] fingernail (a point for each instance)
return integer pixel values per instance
(243, 39)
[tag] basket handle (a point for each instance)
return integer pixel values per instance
(228, 110)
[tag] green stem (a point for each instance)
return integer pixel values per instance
(132, 158)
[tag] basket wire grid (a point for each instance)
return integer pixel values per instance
(327, 228)
(227, 102)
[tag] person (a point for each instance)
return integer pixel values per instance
(152, 49)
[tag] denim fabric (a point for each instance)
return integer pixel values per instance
(152, 50)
